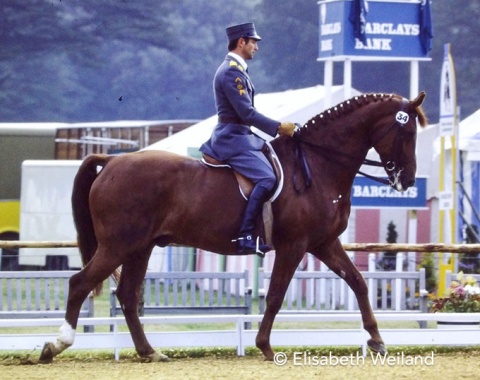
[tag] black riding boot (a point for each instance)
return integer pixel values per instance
(247, 242)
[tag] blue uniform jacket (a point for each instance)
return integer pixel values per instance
(234, 94)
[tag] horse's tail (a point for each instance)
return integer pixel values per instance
(86, 239)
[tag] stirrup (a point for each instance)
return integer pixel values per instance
(260, 248)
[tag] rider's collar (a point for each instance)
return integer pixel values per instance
(239, 59)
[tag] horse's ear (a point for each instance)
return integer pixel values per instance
(415, 104)
(418, 100)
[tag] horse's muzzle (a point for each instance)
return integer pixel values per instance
(402, 185)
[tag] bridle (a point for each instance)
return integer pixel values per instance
(393, 167)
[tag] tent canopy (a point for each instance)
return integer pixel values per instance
(292, 105)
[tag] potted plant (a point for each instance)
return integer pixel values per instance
(463, 296)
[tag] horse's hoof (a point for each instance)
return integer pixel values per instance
(46, 356)
(157, 357)
(378, 348)
(264, 346)
(269, 355)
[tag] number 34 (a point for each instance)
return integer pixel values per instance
(402, 117)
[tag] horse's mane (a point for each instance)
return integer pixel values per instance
(353, 104)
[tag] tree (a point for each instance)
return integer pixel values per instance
(289, 50)
(389, 259)
(51, 58)
(72, 60)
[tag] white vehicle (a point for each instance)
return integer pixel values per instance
(46, 212)
(61, 141)
(46, 215)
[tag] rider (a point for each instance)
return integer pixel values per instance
(232, 141)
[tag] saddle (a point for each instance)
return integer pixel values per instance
(246, 185)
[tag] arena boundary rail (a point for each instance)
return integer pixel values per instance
(240, 338)
(373, 247)
(38, 294)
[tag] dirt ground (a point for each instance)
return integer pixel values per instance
(303, 365)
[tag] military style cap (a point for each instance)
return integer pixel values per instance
(243, 30)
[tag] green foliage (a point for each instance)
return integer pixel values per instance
(392, 234)
(72, 60)
(428, 263)
(22, 357)
(463, 296)
(388, 260)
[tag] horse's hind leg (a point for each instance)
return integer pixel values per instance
(128, 294)
(338, 261)
(80, 285)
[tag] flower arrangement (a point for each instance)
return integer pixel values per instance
(463, 296)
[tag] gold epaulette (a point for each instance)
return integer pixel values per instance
(233, 63)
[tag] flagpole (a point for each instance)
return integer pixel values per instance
(447, 191)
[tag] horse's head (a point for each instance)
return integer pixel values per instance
(394, 138)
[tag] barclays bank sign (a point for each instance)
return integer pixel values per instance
(375, 29)
(367, 193)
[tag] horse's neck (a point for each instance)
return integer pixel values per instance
(339, 147)
(341, 143)
(346, 131)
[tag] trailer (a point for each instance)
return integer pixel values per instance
(20, 142)
(46, 213)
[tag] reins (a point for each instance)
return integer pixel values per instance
(305, 169)
(401, 118)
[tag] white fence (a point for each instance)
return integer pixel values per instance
(240, 338)
(324, 290)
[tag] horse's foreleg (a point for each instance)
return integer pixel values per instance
(128, 294)
(286, 263)
(338, 261)
(80, 285)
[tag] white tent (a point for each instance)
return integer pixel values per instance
(470, 136)
(469, 146)
(468, 172)
(291, 105)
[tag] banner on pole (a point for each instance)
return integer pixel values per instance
(375, 30)
(447, 186)
(447, 95)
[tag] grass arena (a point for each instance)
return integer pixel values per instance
(296, 363)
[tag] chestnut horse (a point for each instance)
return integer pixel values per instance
(125, 205)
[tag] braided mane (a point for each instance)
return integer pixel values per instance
(351, 105)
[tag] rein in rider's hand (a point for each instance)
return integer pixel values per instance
(287, 128)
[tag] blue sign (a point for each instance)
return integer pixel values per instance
(360, 29)
(367, 193)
